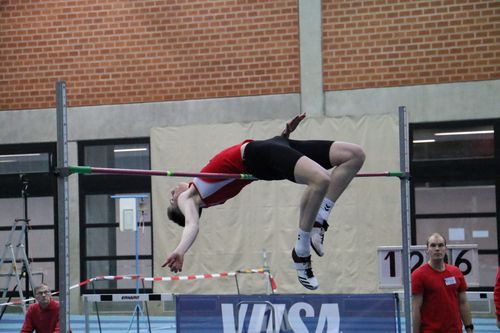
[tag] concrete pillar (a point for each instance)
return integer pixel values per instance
(311, 58)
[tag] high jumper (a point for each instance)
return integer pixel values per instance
(305, 162)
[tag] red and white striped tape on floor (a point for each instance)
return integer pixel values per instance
(163, 278)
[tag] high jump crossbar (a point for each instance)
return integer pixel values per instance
(166, 173)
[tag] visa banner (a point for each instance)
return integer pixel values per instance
(299, 313)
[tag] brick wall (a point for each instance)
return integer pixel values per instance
(119, 51)
(379, 43)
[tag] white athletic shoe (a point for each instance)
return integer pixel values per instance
(304, 271)
(318, 236)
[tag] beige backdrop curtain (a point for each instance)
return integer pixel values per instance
(264, 216)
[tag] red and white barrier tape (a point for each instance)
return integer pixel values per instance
(164, 278)
(19, 302)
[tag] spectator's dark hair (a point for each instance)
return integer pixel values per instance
(175, 215)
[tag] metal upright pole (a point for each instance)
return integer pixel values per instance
(26, 269)
(63, 206)
(137, 306)
(405, 212)
(266, 272)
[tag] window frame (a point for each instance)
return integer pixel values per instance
(42, 184)
(110, 185)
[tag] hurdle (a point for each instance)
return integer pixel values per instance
(135, 298)
(63, 171)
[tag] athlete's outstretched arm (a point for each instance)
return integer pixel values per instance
(190, 208)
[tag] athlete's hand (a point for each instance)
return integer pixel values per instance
(291, 125)
(174, 262)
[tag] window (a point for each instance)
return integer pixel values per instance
(106, 250)
(455, 143)
(29, 192)
(455, 187)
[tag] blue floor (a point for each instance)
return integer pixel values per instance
(120, 324)
(108, 324)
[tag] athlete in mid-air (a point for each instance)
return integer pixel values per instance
(301, 161)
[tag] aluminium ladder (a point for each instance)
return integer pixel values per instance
(14, 247)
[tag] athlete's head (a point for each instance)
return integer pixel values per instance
(175, 215)
(173, 211)
(176, 191)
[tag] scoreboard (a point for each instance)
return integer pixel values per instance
(390, 263)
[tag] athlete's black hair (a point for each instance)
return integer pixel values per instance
(175, 215)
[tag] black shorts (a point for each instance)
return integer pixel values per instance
(275, 159)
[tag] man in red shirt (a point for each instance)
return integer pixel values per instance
(439, 293)
(43, 316)
(496, 297)
(303, 162)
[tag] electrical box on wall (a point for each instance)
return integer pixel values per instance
(128, 214)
